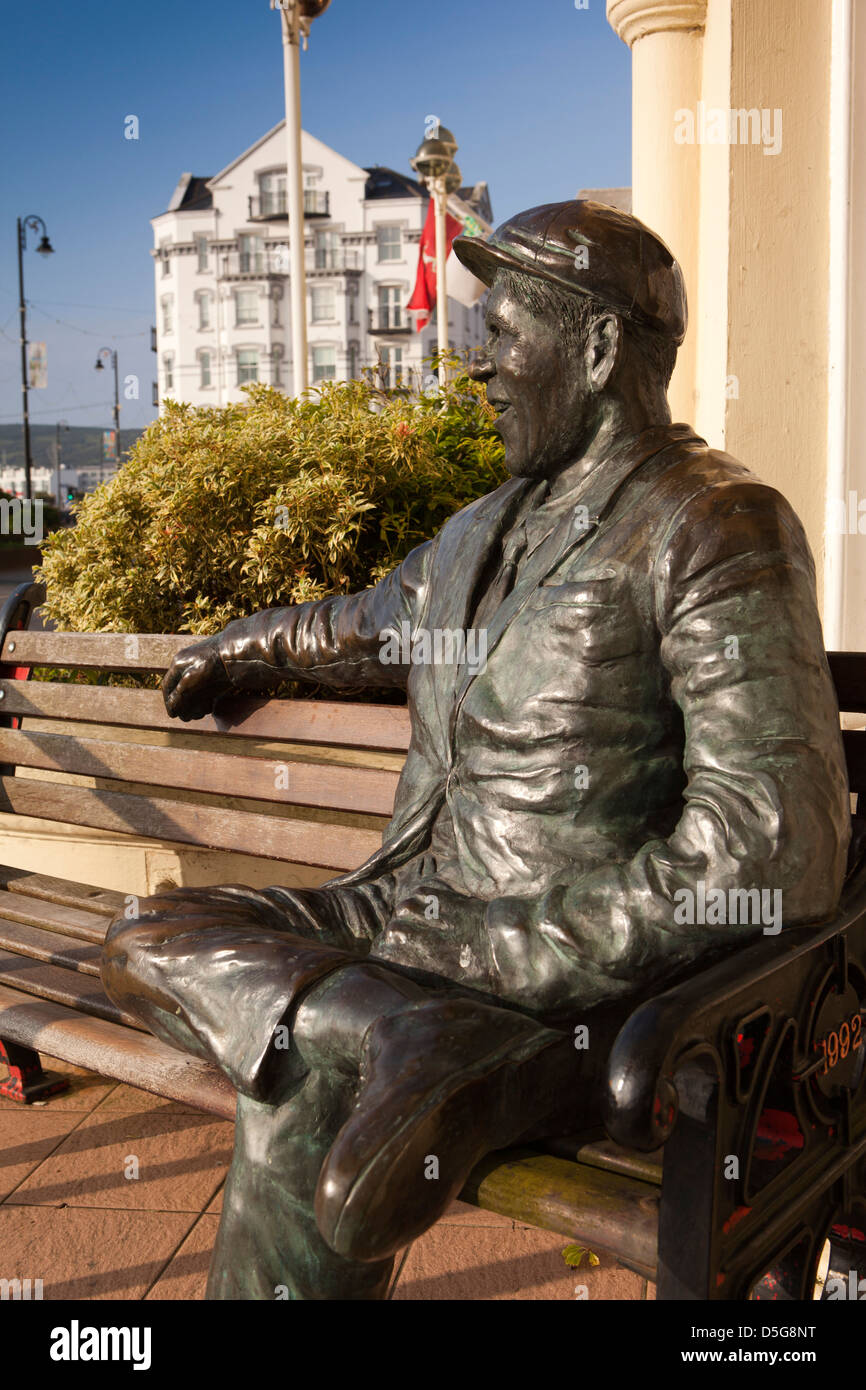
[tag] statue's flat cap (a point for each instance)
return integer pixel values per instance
(591, 249)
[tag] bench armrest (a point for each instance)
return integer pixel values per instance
(641, 1102)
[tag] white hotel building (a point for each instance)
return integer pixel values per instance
(221, 261)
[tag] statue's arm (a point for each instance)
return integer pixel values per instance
(341, 641)
(765, 805)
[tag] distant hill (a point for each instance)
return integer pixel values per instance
(80, 445)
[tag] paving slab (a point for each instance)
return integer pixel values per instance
(180, 1160)
(185, 1276)
(27, 1137)
(523, 1264)
(81, 1254)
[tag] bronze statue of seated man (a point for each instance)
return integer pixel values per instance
(651, 735)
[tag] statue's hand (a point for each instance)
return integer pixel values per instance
(195, 680)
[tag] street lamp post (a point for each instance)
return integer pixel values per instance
(61, 425)
(297, 16)
(110, 353)
(434, 164)
(44, 249)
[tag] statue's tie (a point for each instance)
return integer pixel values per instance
(513, 551)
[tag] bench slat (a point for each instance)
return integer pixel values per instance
(49, 946)
(45, 888)
(109, 1049)
(604, 1211)
(362, 789)
(266, 837)
(604, 1153)
(110, 651)
(67, 987)
(52, 917)
(332, 722)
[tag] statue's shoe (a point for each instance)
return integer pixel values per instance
(442, 1083)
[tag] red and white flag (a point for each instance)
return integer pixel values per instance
(463, 286)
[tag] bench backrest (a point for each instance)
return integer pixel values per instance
(302, 781)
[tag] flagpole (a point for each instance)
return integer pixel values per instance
(440, 199)
(297, 16)
(434, 163)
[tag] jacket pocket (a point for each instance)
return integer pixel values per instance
(593, 618)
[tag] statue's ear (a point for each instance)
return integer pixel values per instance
(604, 346)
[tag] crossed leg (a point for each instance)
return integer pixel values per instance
(351, 1078)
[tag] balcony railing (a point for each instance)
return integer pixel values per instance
(324, 260)
(388, 319)
(267, 207)
(235, 264)
(274, 207)
(274, 260)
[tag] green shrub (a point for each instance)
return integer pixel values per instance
(218, 513)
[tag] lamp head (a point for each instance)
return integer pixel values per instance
(434, 156)
(45, 248)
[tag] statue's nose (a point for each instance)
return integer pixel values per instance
(481, 369)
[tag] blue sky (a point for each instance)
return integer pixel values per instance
(538, 96)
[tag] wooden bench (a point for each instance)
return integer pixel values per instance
(738, 1062)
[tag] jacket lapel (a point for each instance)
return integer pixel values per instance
(464, 552)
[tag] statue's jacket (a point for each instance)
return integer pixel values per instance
(646, 763)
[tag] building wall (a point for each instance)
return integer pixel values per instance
(354, 279)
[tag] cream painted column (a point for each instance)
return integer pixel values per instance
(665, 38)
(759, 221)
(780, 269)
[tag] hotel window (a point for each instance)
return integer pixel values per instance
(272, 194)
(390, 307)
(352, 361)
(324, 364)
(167, 322)
(204, 370)
(389, 241)
(391, 364)
(246, 307)
(168, 372)
(248, 365)
(324, 304)
(204, 307)
(251, 252)
(163, 257)
(201, 252)
(326, 249)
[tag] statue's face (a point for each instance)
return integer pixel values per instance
(539, 389)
